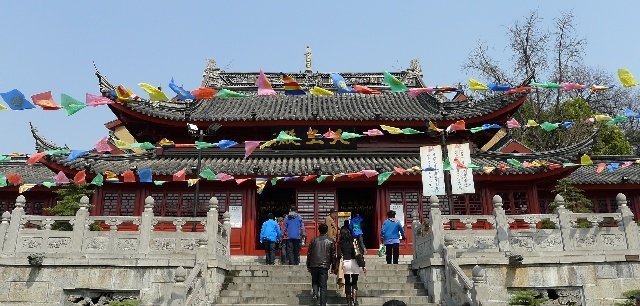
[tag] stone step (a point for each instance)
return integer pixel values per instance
(288, 292)
(307, 300)
(331, 286)
(261, 259)
(303, 266)
(328, 304)
(280, 273)
(306, 278)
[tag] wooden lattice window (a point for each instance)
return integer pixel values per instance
(7, 205)
(306, 205)
(110, 204)
(33, 207)
(544, 206)
(467, 204)
(410, 201)
(605, 205)
(514, 203)
(445, 208)
(127, 204)
(326, 201)
(222, 204)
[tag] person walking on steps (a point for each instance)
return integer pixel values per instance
(356, 229)
(348, 249)
(332, 223)
(391, 234)
(269, 235)
(321, 258)
(294, 230)
(283, 241)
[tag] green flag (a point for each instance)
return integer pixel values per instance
(322, 177)
(5, 158)
(57, 152)
(446, 165)
(71, 105)
(549, 85)
(158, 183)
(284, 136)
(382, 177)
(49, 184)
(144, 145)
(476, 129)
(225, 93)
(514, 162)
(616, 120)
(203, 145)
(393, 82)
(208, 175)
(473, 166)
(98, 180)
(548, 126)
(410, 131)
(275, 180)
(347, 135)
(564, 165)
(3, 181)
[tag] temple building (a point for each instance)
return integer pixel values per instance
(260, 118)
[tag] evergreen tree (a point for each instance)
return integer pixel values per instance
(527, 297)
(574, 198)
(68, 203)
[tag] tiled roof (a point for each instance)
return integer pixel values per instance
(628, 175)
(30, 174)
(352, 107)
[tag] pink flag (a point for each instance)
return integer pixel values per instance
(80, 178)
(414, 92)
(35, 157)
(369, 173)
(249, 147)
(61, 178)
(103, 146)
(626, 164)
(224, 177)
(264, 87)
(601, 167)
(590, 120)
(180, 175)
(45, 100)
(373, 132)
(97, 100)
(513, 123)
(399, 170)
(330, 134)
(240, 181)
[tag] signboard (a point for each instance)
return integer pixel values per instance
(235, 216)
(461, 179)
(432, 181)
(343, 215)
(399, 209)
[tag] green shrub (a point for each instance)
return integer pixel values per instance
(547, 224)
(630, 296)
(125, 303)
(527, 297)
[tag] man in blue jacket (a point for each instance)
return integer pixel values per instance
(391, 233)
(294, 230)
(269, 235)
(356, 229)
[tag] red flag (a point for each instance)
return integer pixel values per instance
(204, 93)
(503, 167)
(129, 176)
(554, 166)
(180, 175)
(365, 90)
(45, 100)
(240, 181)
(309, 177)
(459, 163)
(354, 175)
(516, 90)
(14, 179)
(458, 126)
(399, 170)
(80, 178)
(35, 157)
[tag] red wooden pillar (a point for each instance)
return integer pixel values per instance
(246, 236)
(534, 204)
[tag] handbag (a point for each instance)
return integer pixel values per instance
(359, 256)
(382, 250)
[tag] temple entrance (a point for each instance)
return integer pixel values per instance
(361, 201)
(272, 200)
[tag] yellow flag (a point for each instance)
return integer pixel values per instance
(414, 169)
(318, 91)
(586, 160)
(475, 85)
(2, 107)
(25, 187)
(531, 123)
(122, 144)
(488, 170)
(626, 78)
(603, 117)
(155, 94)
(391, 130)
(335, 176)
(191, 182)
(268, 143)
(433, 127)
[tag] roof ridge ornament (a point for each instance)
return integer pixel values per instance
(307, 60)
(103, 83)
(211, 76)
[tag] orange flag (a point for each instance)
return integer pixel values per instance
(129, 176)
(180, 175)
(45, 100)
(601, 167)
(35, 157)
(204, 93)
(80, 178)
(14, 179)
(309, 177)
(458, 126)
(354, 175)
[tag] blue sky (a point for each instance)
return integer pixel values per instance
(49, 45)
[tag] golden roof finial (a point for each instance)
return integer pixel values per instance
(307, 56)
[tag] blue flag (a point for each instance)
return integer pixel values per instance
(76, 153)
(16, 100)
(225, 144)
(496, 87)
(182, 94)
(340, 84)
(145, 175)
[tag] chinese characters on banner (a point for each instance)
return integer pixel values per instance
(432, 181)
(461, 179)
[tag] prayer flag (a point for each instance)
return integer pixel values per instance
(35, 158)
(224, 177)
(145, 175)
(626, 164)
(2, 107)
(340, 83)
(568, 124)
(57, 152)
(283, 136)
(180, 175)
(98, 180)
(322, 177)
(446, 165)
(459, 164)
(601, 167)
(373, 132)
(319, 91)
(180, 92)
(514, 162)
(25, 187)
(71, 105)
(45, 184)
(354, 174)
(264, 87)
(409, 131)
(125, 94)
(249, 147)
(613, 166)
(268, 143)
(14, 179)
(122, 145)
(166, 143)
(502, 167)
(585, 160)
(94, 101)
(382, 177)
(291, 87)
(572, 86)
(433, 127)
(45, 100)
(159, 183)
(548, 85)
(517, 90)
(208, 174)
(488, 170)
(476, 129)
(616, 120)
(399, 170)
(191, 182)
(16, 100)
(414, 92)
(393, 82)
(225, 144)
(274, 180)
(548, 126)
(203, 145)
(204, 93)
(76, 154)
(3, 181)
(103, 145)
(260, 183)
(111, 177)
(590, 120)
(144, 146)
(155, 94)
(531, 123)
(457, 126)
(626, 78)
(369, 173)
(347, 135)
(496, 87)
(365, 90)
(129, 176)
(603, 117)
(61, 178)
(391, 130)
(513, 123)
(475, 85)
(80, 178)
(240, 181)
(225, 93)
(595, 88)
(309, 177)
(629, 113)
(5, 159)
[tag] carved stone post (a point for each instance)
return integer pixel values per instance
(80, 225)
(479, 285)
(146, 225)
(4, 226)
(435, 223)
(227, 228)
(564, 222)
(629, 225)
(416, 227)
(212, 225)
(14, 225)
(202, 260)
(179, 290)
(502, 225)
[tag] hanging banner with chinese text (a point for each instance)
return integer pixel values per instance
(461, 178)
(432, 181)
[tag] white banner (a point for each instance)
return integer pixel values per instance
(235, 216)
(461, 179)
(399, 209)
(432, 181)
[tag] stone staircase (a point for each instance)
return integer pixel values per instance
(250, 282)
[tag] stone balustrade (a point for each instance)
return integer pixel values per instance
(123, 235)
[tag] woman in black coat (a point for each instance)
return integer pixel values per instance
(347, 252)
